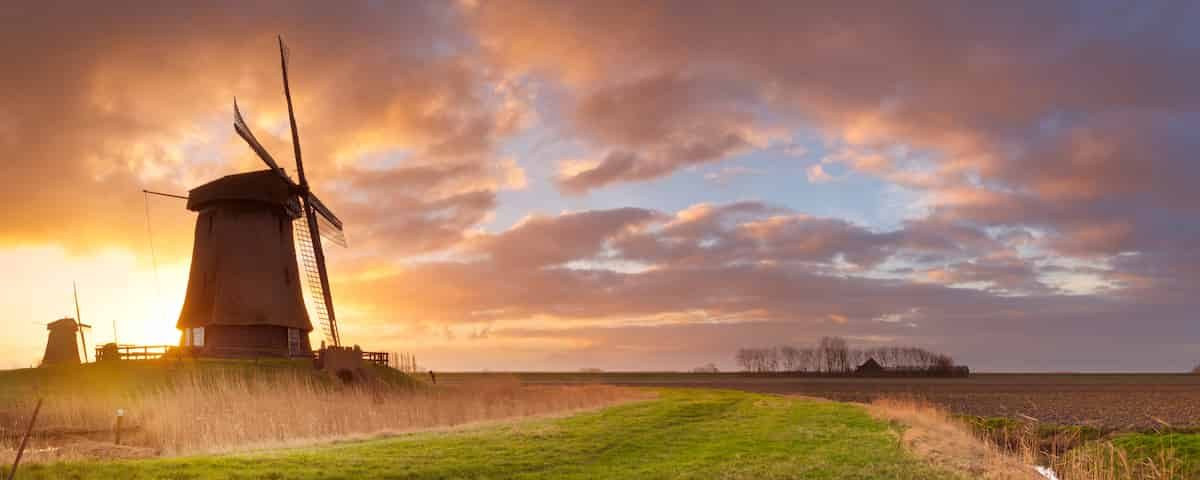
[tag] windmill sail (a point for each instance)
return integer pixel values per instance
(317, 220)
(329, 226)
(311, 206)
(79, 320)
(243, 130)
(307, 258)
(331, 232)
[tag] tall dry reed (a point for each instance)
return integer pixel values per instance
(1008, 452)
(221, 412)
(934, 435)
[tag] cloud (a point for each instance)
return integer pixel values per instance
(1047, 143)
(559, 285)
(733, 262)
(548, 241)
(727, 174)
(655, 125)
(131, 98)
(409, 210)
(999, 107)
(816, 174)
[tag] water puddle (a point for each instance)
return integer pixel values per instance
(1046, 472)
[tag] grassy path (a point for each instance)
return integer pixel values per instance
(700, 434)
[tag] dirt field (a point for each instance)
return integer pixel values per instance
(1109, 401)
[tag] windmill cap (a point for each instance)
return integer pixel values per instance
(261, 186)
(62, 323)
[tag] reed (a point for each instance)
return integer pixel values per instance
(216, 412)
(1010, 452)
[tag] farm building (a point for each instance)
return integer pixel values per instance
(869, 367)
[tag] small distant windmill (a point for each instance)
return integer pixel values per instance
(61, 346)
(244, 296)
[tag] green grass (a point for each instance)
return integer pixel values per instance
(1186, 445)
(683, 434)
(1180, 450)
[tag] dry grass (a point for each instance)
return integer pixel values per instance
(931, 433)
(940, 438)
(212, 413)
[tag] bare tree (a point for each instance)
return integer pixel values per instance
(744, 359)
(835, 355)
(808, 360)
(790, 357)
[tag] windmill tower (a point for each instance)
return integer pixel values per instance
(254, 234)
(62, 345)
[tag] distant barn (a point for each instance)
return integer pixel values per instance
(869, 367)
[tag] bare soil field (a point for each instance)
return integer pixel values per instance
(1118, 402)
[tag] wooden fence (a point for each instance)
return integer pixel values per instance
(112, 352)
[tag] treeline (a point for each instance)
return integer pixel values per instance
(832, 356)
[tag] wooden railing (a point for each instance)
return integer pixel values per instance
(131, 352)
(378, 358)
(151, 352)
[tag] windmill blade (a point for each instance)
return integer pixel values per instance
(328, 225)
(285, 53)
(287, 93)
(324, 211)
(79, 320)
(243, 130)
(331, 232)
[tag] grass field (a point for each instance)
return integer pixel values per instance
(1103, 426)
(681, 434)
(1095, 427)
(1112, 402)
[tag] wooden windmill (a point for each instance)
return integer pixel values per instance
(61, 345)
(244, 295)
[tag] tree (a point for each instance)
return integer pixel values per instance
(771, 360)
(744, 359)
(942, 362)
(790, 357)
(808, 359)
(834, 354)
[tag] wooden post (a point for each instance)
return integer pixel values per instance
(24, 440)
(120, 416)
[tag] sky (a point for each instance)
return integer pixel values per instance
(648, 185)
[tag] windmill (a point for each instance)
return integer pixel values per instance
(244, 295)
(61, 346)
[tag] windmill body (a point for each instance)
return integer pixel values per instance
(244, 296)
(62, 345)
